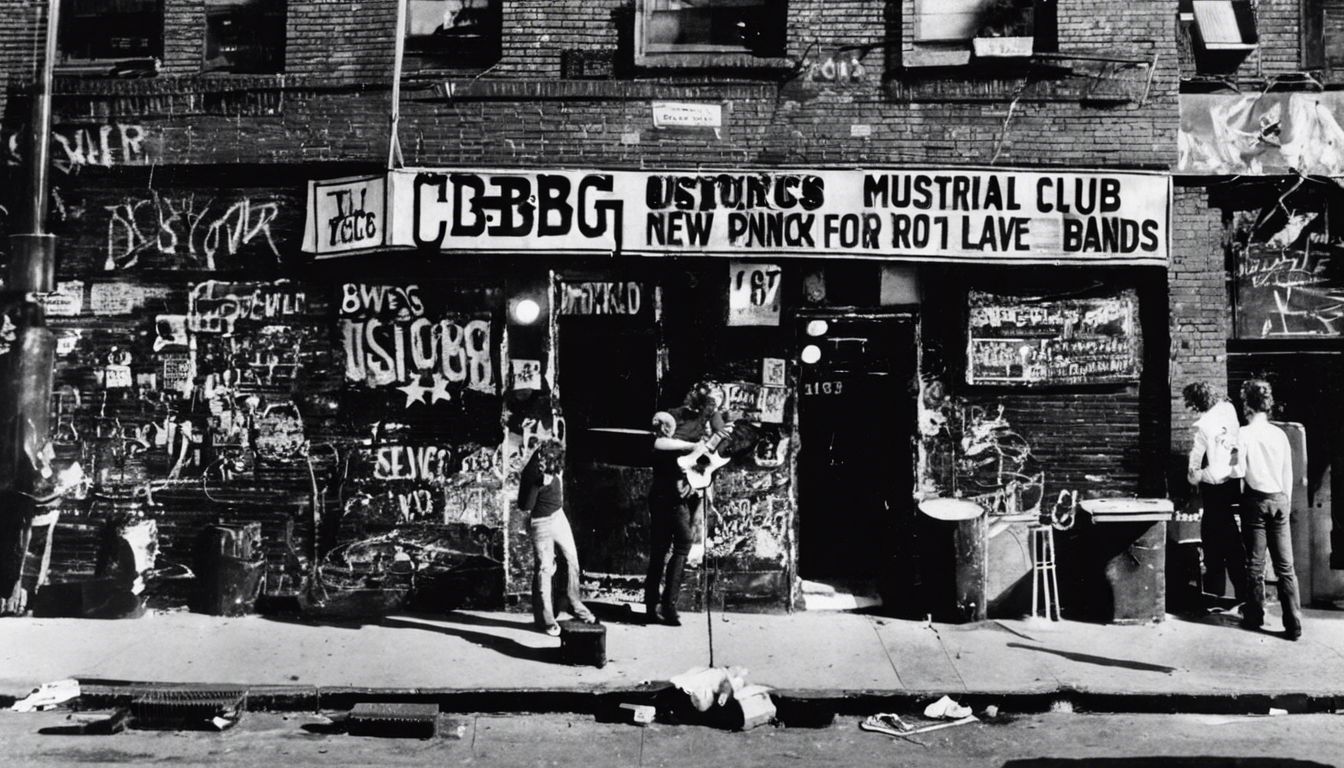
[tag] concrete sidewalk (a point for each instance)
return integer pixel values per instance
(837, 656)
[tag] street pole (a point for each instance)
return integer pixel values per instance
(26, 369)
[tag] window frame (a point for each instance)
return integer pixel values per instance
(927, 50)
(430, 52)
(708, 54)
(66, 62)
(262, 9)
(1313, 37)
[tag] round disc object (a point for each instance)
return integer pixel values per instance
(951, 509)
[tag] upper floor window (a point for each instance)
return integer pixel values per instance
(454, 32)
(110, 36)
(245, 36)
(1323, 36)
(948, 32)
(709, 28)
(1223, 34)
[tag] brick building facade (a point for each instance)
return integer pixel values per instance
(179, 191)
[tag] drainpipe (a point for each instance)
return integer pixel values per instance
(26, 370)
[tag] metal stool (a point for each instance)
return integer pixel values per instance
(1044, 586)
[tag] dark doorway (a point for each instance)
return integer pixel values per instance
(1306, 390)
(607, 377)
(856, 423)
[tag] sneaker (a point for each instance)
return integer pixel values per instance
(670, 617)
(1254, 626)
(553, 630)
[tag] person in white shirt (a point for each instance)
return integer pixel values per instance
(1210, 469)
(1266, 463)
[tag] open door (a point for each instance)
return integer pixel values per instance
(607, 376)
(856, 415)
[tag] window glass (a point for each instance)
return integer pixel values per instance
(245, 36)
(753, 27)
(110, 30)
(454, 32)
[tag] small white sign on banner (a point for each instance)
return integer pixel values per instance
(753, 293)
(347, 215)
(526, 374)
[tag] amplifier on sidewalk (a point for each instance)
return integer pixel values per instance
(583, 644)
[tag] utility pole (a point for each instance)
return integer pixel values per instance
(26, 370)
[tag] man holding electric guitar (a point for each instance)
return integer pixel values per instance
(684, 461)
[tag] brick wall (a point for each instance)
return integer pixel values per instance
(1201, 321)
(332, 104)
(335, 96)
(1277, 22)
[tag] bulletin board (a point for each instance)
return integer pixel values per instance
(1038, 341)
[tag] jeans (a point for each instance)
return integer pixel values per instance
(1224, 550)
(1264, 523)
(672, 520)
(548, 534)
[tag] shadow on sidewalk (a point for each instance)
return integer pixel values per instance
(502, 645)
(524, 621)
(1104, 661)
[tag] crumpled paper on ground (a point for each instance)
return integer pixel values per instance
(946, 709)
(710, 686)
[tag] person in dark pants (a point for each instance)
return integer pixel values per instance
(540, 493)
(1210, 468)
(673, 503)
(1266, 462)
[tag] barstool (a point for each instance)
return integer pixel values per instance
(1044, 586)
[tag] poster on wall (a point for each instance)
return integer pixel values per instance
(1289, 274)
(1040, 341)
(753, 293)
(1261, 134)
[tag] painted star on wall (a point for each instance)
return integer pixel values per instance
(414, 392)
(440, 389)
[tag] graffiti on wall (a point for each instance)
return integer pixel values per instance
(425, 483)
(75, 146)
(750, 517)
(393, 338)
(1289, 273)
(972, 451)
(189, 230)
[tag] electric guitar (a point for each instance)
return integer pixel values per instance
(699, 465)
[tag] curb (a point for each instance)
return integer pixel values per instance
(796, 707)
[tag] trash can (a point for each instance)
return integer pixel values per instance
(954, 539)
(1126, 539)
